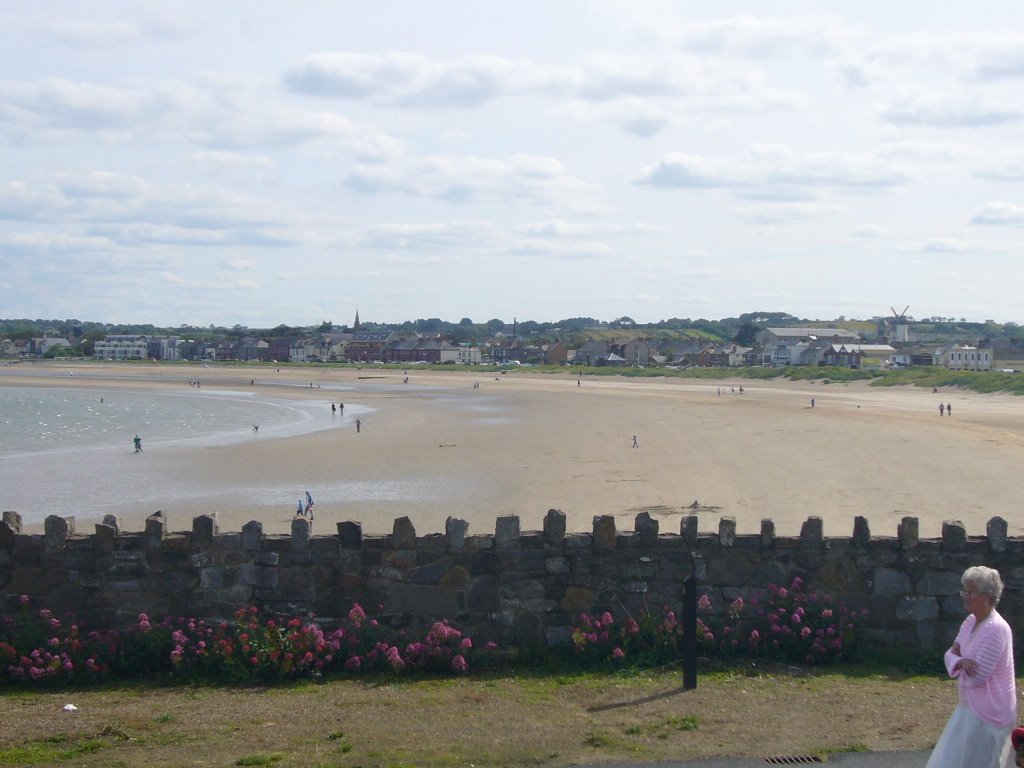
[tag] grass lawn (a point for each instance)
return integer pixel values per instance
(506, 718)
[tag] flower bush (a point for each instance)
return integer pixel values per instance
(777, 623)
(787, 624)
(36, 647)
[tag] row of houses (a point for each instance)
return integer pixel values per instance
(774, 347)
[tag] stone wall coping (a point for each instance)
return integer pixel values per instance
(61, 532)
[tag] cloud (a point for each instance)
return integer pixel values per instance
(466, 233)
(999, 213)
(218, 113)
(90, 33)
(774, 172)
(960, 245)
(943, 110)
(867, 231)
(1001, 60)
(573, 229)
(836, 170)
(466, 179)
(132, 212)
(681, 170)
(411, 80)
(772, 213)
(239, 264)
(762, 37)
(557, 250)
(1008, 166)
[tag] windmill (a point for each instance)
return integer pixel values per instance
(899, 323)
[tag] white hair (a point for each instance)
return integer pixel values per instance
(985, 580)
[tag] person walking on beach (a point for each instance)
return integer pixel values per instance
(949, 409)
(334, 409)
(812, 402)
(309, 506)
(138, 444)
(300, 511)
(942, 409)
(635, 443)
(359, 424)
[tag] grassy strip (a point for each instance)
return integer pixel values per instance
(543, 716)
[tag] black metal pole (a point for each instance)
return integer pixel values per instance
(690, 633)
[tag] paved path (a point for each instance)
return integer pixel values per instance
(844, 760)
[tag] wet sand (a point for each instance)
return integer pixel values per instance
(521, 444)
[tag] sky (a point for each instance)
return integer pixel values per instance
(258, 163)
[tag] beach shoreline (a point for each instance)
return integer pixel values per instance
(523, 443)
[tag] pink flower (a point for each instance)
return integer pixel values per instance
(704, 602)
(466, 644)
(617, 653)
(24, 599)
(795, 618)
(459, 664)
(606, 617)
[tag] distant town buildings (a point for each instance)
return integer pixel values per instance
(893, 344)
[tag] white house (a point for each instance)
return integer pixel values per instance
(963, 357)
(121, 347)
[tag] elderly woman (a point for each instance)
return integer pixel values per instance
(981, 661)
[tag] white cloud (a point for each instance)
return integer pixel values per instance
(772, 213)
(458, 234)
(90, 33)
(960, 245)
(944, 110)
(559, 250)
(677, 169)
(1007, 166)
(998, 212)
(867, 231)
(465, 180)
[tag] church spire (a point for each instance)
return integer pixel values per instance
(355, 325)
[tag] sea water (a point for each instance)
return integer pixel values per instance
(70, 451)
(37, 420)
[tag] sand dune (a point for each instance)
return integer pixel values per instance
(521, 444)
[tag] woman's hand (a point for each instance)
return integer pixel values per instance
(967, 666)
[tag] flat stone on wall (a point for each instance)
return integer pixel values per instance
(688, 530)
(861, 532)
(954, 536)
(456, 530)
(907, 532)
(554, 526)
(996, 532)
(403, 534)
(350, 535)
(204, 528)
(506, 532)
(604, 533)
(252, 536)
(57, 530)
(647, 527)
(727, 531)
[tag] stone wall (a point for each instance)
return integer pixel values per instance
(517, 588)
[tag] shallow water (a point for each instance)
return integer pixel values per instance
(69, 452)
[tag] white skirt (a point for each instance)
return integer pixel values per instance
(967, 741)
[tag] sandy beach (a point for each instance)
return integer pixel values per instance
(520, 444)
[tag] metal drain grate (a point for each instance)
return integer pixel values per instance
(792, 760)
